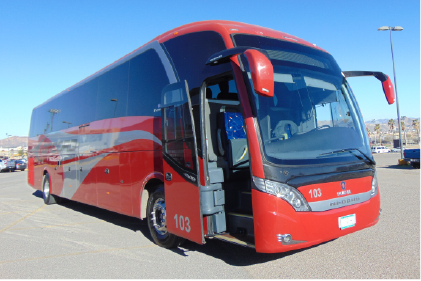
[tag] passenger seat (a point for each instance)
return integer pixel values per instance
(232, 139)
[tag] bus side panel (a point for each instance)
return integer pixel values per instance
(57, 177)
(126, 183)
(31, 178)
(86, 192)
(38, 172)
(108, 182)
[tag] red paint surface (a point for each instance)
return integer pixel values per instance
(330, 190)
(182, 199)
(253, 143)
(201, 171)
(388, 91)
(108, 185)
(261, 72)
(274, 216)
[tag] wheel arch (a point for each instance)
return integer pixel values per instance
(44, 172)
(150, 184)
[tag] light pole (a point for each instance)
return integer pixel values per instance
(395, 28)
(68, 123)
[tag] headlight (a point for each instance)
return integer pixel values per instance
(374, 184)
(285, 192)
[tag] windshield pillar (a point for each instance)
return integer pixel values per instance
(255, 154)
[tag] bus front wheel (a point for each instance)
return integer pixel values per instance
(157, 221)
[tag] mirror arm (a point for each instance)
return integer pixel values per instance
(379, 75)
(386, 83)
(225, 55)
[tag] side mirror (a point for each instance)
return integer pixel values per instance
(388, 90)
(261, 73)
(260, 67)
(386, 83)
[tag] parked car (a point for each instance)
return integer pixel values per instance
(11, 165)
(3, 166)
(397, 149)
(380, 149)
(20, 165)
(412, 156)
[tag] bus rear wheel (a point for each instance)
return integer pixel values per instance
(46, 191)
(157, 221)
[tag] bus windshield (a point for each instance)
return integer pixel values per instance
(313, 117)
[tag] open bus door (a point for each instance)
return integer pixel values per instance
(182, 197)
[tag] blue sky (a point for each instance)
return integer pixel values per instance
(47, 46)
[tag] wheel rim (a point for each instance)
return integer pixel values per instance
(46, 189)
(159, 217)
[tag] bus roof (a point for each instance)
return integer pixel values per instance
(223, 27)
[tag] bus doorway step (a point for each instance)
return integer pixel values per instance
(240, 223)
(239, 239)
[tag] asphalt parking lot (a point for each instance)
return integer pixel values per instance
(74, 240)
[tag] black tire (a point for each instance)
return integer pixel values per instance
(157, 224)
(46, 191)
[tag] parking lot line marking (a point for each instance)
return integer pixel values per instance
(20, 201)
(55, 225)
(6, 213)
(80, 253)
(21, 219)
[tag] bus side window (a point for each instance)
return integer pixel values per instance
(147, 78)
(112, 93)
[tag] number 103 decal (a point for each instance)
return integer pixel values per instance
(182, 222)
(314, 193)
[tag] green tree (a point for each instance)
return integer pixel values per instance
(391, 124)
(368, 133)
(403, 130)
(377, 130)
(20, 152)
(416, 126)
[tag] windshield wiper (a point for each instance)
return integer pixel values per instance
(372, 162)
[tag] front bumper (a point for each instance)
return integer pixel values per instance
(273, 217)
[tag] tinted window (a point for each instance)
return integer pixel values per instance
(77, 106)
(146, 79)
(84, 103)
(43, 120)
(190, 52)
(32, 130)
(112, 93)
(178, 138)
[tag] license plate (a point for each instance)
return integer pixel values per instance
(347, 221)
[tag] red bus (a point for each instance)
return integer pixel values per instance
(215, 129)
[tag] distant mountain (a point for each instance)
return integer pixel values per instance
(12, 142)
(384, 124)
(385, 121)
